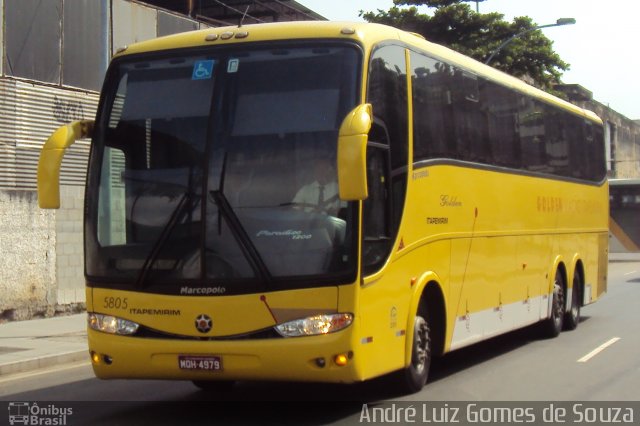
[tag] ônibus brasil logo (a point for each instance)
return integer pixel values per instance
(30, 413)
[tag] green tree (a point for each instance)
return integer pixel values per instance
(456, 25)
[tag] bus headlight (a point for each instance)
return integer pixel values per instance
(112, 325)
(317, 324)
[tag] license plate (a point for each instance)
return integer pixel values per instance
(200, 363)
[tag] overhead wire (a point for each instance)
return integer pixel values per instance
(240, 12)
(313, 18)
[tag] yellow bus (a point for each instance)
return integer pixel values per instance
(326, 202)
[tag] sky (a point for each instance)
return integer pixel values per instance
(602, 48)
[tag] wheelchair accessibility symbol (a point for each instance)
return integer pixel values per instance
(202, 70)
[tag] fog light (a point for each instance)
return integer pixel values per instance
(107, 359)
(95, 357)
(341, 360)
(320, 362)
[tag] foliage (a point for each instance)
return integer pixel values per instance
(456, 25)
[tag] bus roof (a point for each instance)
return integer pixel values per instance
(366, 34)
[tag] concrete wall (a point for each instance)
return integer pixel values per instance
(625, 155)
(28, 260)
(69, 247)
(41, 261)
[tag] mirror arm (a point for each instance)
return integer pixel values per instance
(51, 160)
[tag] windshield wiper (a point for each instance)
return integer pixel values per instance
(176, 215)
(248, 248)
(246, 245)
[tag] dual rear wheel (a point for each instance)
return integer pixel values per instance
(561, 318)
(572, 316)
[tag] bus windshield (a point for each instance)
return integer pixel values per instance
(213, 171)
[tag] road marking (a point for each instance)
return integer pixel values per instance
(41, 371)
(599, 349)
(630, 273)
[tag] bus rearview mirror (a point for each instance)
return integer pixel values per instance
(51, 160)
(352, 153)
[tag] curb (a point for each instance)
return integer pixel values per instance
(624, 257)
(45, 361)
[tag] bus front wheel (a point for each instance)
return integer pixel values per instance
(415, 376)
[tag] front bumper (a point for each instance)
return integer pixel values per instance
(308, 358)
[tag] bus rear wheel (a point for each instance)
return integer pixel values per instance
(414, 377)
(572, 317)
(552, 326)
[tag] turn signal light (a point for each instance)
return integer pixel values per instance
(341, 360)
(97, 358)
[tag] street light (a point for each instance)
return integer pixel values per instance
(478, 4)
(559, 22)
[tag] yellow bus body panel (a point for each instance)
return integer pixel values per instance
(492, 242)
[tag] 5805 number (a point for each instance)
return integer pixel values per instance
(115, 303)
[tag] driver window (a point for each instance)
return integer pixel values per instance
(376, 206)
(387, 154)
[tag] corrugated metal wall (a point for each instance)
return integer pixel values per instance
(29, 113)
(30, 110)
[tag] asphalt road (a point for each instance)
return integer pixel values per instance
(596, 362)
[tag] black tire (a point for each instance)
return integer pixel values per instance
(413, 378)
(552, 326)
(572, 316)
(215, 386)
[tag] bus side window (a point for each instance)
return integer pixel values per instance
(376, 207)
